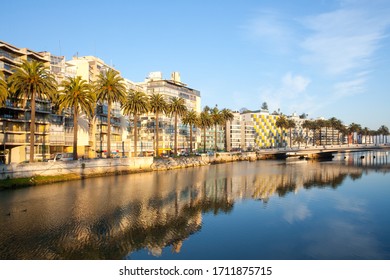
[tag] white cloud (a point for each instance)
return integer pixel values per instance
(348, 88)
(296, 213)
(343, 40)
(289, 95)
(271, 30)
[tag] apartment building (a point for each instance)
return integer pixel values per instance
(15, 117)
(169, 88)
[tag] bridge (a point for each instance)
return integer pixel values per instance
(317, 152)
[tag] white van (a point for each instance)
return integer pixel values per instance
(62, 157)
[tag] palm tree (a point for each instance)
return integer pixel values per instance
(110, 87)
(205, 122)
(290, 125)
(365, 132)
(3, 90)
(319, 125)
(31, 81)
(353, 127)
(157, 105)
(307, 124)
(177, 107)
(216, 119)
(78, 96)
(136, 104)
(226, 116)
(333, 122)
(190, 119)
(384, 131)
(281, 123)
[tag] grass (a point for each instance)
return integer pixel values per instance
(36, 180)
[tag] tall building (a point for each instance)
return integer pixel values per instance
(15, 117)
(155, 83)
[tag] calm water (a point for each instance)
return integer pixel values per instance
(243, 210)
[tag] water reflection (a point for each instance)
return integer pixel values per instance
(113, 217)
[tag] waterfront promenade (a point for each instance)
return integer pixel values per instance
(26, 174)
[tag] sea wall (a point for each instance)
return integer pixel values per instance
(203, 159)
(83, 168)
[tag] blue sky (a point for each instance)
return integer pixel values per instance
(324, 58)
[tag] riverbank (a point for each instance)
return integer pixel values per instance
(26, 174)
(31, 174)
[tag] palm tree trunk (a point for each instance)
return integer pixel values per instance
(204, 140)
(156, 135)
(225, 140)
(32, 127)
(175, 134)
(109, 130)
(215, 140)
(135, 134)
(75, 133)
(190, 138)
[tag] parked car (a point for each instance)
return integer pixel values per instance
(62, 157)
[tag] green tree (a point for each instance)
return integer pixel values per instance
(77, 95)
(31, 81)
(158, 106)
(190, 119)
(205, 122)
(307, 124)
(110, 88)
(264, 106)
(352, 129)
(177, 108)
(384, 131)
(281, 123)
(319, 125)
(217, 120)
(334, 124)
(226, 116)
(136, 103)
(290, 125)
(3, 90)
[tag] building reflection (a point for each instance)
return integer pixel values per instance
(113, 217)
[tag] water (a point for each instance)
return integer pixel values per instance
(242, 210)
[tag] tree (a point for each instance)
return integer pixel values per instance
(307, 124)
(290, 125)
(319, 125)
(190, 119)
(281, 123)
(226, 116)
(158, 105)
(334, 124)
(77, 95)
(264, 106)
(354, 128)
(110, 88)
(365, 132)
(3, 90)
(136, 103)
(205, 122)
(216, 119)
(177, 107)
(384, 131)
(30, 81)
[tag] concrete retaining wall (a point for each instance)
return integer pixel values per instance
(86, 168)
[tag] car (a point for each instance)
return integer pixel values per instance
(62, 157)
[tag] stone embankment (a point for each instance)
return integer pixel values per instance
(26, 174)
(184, 162)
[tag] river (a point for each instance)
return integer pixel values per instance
(290, 209)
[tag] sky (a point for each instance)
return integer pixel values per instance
(324, 58)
